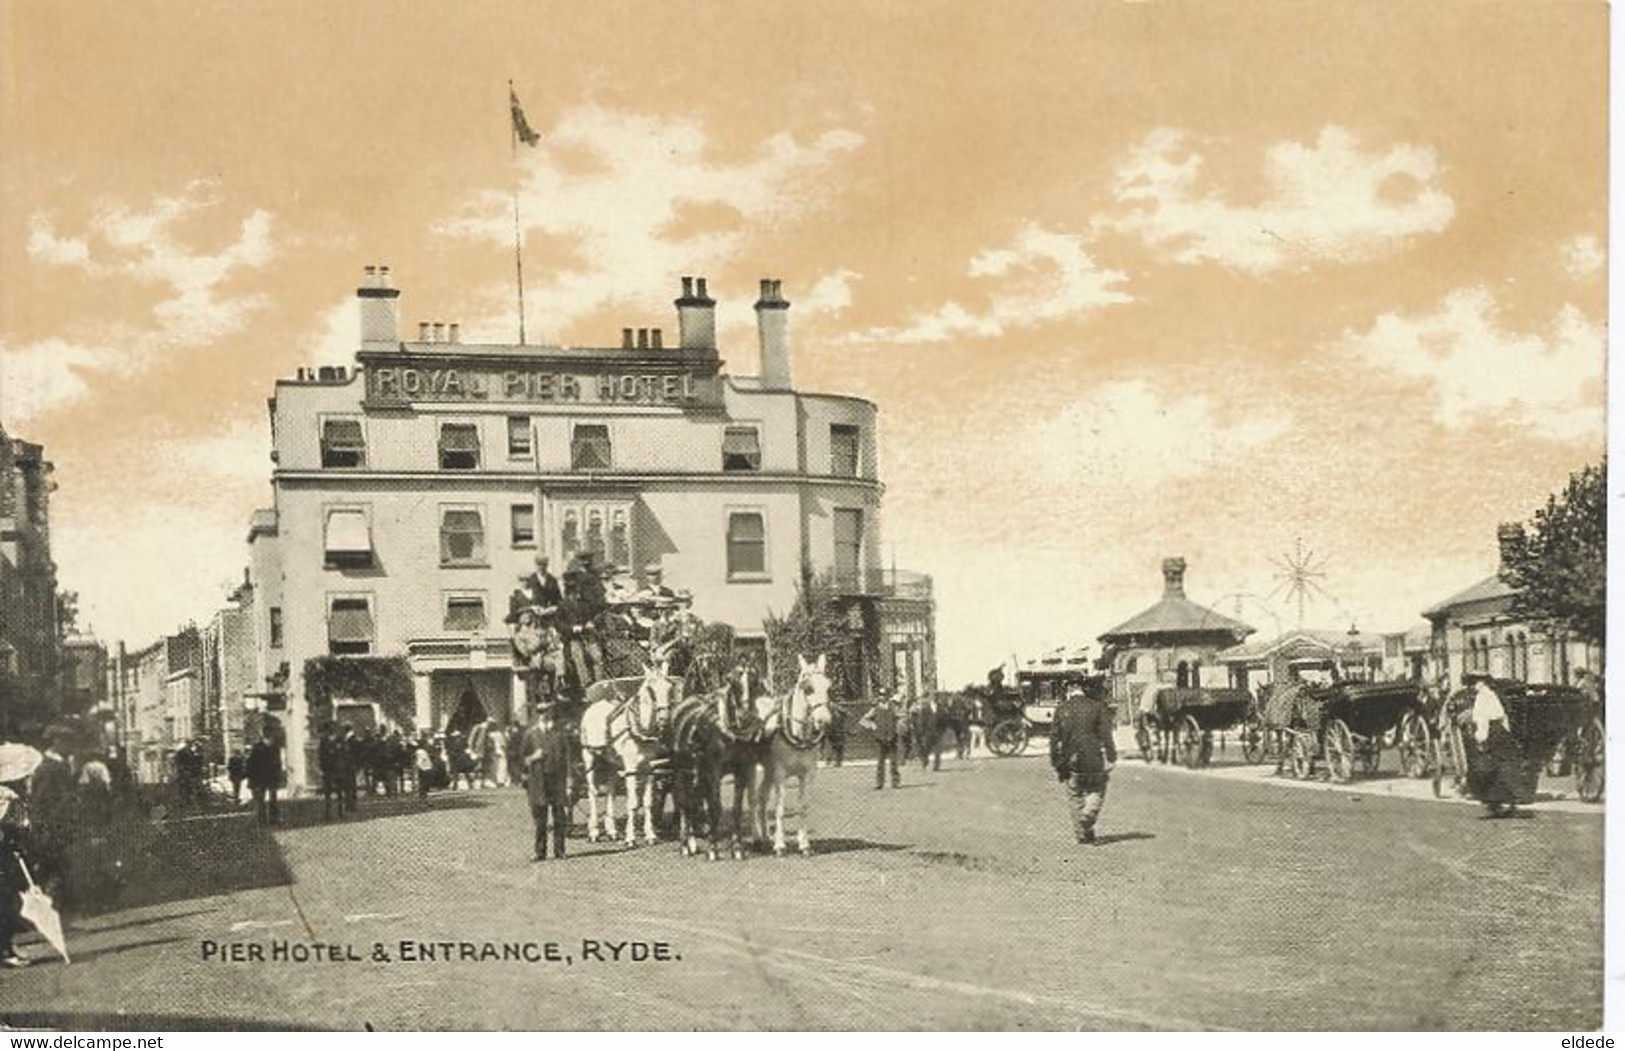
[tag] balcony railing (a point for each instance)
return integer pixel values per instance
(884, 583)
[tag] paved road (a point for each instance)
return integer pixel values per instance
(957, 902)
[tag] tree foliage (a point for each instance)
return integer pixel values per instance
(1559, 563)
(821, 623)
(386, 681)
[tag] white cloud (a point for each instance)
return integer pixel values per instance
(137, 246)
(1550, 383)
(831, 294)
(1584, 256)
(1125, 431)
(1329, 201)
(1043, 276)
(337, 336)
(38, 377)
(640, 199)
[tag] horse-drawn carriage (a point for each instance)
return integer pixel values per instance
(1180, 721)
(1014, 716)
(1345, 724)
(1542, 720)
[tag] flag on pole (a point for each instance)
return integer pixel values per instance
(521, 127)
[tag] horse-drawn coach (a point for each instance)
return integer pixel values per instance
(1179, 722)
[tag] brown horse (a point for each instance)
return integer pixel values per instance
(715, 736)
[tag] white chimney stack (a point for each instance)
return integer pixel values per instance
(773, 325)
(380, 310)
(696, 317)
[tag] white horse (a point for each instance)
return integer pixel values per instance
(627, 719)
(796, 724)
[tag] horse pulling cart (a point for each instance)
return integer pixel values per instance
(1345, 724)
(1176, 721)
(1014, 716)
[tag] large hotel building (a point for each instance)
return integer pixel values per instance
(413, 490)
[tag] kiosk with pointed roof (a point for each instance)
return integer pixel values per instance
(1170, 641)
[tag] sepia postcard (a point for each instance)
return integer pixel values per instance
(845, 516)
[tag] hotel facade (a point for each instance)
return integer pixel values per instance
(413, 490)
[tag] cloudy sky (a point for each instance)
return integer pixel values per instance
(1126, 280)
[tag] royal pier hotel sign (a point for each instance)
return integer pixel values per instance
(396, 383)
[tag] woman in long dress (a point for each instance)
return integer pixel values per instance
(1495, 770)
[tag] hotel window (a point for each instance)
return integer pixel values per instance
(747, 544)
(589, 447)
(843, 450)
(462, 536)
(459, 447)
(595, 535)
(343, 443)
(741, 449)
(522, 518)
(620, 543)
(276, 627)
(347, 538)
(349, 625)
(848, 547)
(519, 437)
(570, 535)
(465, 612)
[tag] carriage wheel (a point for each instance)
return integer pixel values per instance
(1340, 751)
(1191, 740)
(1416, 748)
(1142, 738)
(1589, 762)
(1254, 747)
(1452, 753)
(1303, 755)
(1007, 738)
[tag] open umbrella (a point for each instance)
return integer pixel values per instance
(40, 910)
(17, 761)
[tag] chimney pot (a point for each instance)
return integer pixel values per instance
(1173, 577)
(423, 332)
(371, 272)
(767, 289)
(454, 332)
(656, 339)
(643, 339)
(688, 287)
(439, 331)
(626, 339)
(383, 276)
(699, 285)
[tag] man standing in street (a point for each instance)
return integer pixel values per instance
(1083, 753)
(547, 747)
(883, 719)
(265, 777)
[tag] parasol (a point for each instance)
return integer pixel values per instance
(17, 761)
(39, 910)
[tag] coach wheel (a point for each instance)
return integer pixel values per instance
(1340, 751)
(1142, 738)
(1191, 742)
(1589, 764)
(1253, 745)
(1303, 755)
(1415, 746)
(1452, 754)
(1007, 738)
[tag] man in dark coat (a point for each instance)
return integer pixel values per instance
(883, 720)
(265, 778)
(547, 747)
(584, 603)
(353, 754)
(237, 771)
(51, 801)
(332, 764)
(1083, 752)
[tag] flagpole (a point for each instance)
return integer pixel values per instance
(518, 240)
